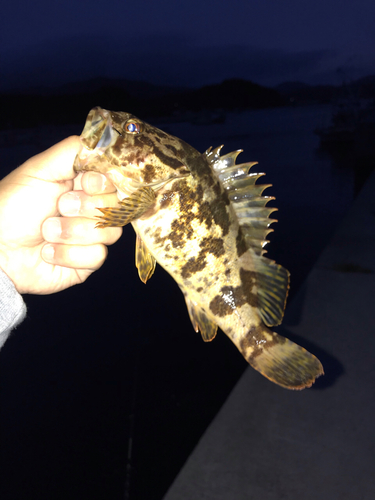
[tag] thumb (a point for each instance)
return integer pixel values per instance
(56, 163)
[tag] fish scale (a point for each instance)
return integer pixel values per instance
(204, 219)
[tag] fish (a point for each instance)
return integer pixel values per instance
(205, 220)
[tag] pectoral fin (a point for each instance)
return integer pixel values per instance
(200, 321)
(130, 208)
(144, 261)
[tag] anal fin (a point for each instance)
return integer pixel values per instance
(144, 261)
(200, 321)
(130, 208)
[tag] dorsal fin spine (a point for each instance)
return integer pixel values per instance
(245, 196)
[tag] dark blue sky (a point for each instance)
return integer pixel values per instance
(186, 43)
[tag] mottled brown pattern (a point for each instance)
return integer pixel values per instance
(240, 243)
(204, 214)
(234, 297)
(256, 340)
(197, 194)
(131, 157)
(170, 161)
(193, 265)
(117, 151)
(217, 189)
(142, 141)
(181, 231)
(181, 228)
(219, 306)
(222, 305)
(188, 197)
(158, 133)
(219, 212)
(248, 280)
(214, 246)
(253, 339)
(149, 173)
(159, 240)
(172, 149)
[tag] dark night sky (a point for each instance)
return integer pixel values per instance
(186, 43)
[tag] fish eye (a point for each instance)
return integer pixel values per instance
(132, 127)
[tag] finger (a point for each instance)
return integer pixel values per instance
(78, 203)
(78, 231)
(77, 182)
(95, 183)
(56, 163)
(75, 256)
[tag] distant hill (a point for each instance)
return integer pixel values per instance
(232, 94)
(137, 89)
(288, 87)
(299, 92)
(70, 103)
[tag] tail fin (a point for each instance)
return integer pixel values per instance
(281, 360)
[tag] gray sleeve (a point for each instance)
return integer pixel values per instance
(12, 307)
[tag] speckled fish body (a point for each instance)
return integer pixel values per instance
(204, 219)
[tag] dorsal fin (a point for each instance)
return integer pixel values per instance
(247, 197)
(253, 216)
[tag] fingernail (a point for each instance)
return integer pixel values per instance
(48, 253)
(96, 182)
(69, 203)
(52, 228)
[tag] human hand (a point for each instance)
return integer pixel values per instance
(41, 251)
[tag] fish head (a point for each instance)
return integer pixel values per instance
(130, 152)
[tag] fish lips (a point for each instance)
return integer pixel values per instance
(98, 130)
(98, 134)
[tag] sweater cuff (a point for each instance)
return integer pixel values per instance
(12, 307)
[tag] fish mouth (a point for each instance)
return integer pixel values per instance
(98, 134)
